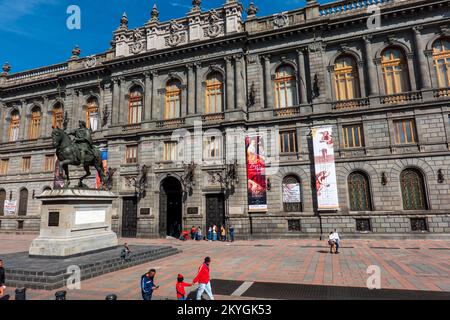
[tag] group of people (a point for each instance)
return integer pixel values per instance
(213, 234)
(203, 279)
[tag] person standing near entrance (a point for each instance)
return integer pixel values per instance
(214, 230)
(204, 280)
(148, 285)
(210, 233)
(199, 235)
(193, 233)
(223, 233)
(231, 231)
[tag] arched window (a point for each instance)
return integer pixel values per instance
(292, 199)
(35, 123)
(214, 93)
(14, 126)
(172, 105)
(413, 190)
(135, 106)
(359, 192)
(58, 116)
(285, 88)
(441, 57)
(23, 202)
(2, 201)
(346, 79)
(395, 71)
(92, 114)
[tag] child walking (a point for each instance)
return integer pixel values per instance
(180, 287)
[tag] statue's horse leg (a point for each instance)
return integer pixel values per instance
(101, 174)
(66, 171)
(88, 173)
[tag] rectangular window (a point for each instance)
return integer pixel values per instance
(213, 147)
(353, 136)
(363, 225)
(170, 151)
(4, 165)
(288, 142)
(405, 131)
(419, 224)
(131, 155)
(49, 165)
(26, 164)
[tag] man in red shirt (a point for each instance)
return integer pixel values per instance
(181, 292)
(203, 280)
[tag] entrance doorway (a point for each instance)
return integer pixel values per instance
(129, 217)
(170, 208)
(215, 210)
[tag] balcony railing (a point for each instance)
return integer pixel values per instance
(350, 104)
(342, 7)
(287, 112)
(132, 127)
(171, 123)
(213, 117)
(38, 72)
(401, 97)
(442, 92)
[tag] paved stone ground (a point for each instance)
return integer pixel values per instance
(406, 265)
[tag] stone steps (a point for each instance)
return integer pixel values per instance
(55, 279)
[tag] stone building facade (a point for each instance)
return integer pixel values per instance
(376, 71)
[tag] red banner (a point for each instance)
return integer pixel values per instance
(256, 173)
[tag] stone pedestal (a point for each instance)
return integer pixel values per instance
(74, 222)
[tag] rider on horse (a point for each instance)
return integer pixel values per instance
(84, 141)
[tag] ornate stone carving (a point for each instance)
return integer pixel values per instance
(213, 29)
(281, 20)
(196, 5)
(137, 47)
(90, 61)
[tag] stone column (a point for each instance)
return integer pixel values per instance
(115, 102)
(230, 83)
(240, 83)
(123, 109)
(362, 79)
(148, 96)
(268, 83)
(23, 120)
(302, 76)
(411, 69)
(191, 89)
(371, 68)
(44, 117)
(198, 95)
(425, 81)
(155, 109)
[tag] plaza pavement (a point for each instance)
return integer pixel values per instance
(405, 265)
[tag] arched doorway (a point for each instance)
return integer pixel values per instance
(170, 208)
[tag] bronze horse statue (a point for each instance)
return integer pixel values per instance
(69, 154)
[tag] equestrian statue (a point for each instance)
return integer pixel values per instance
(79, 151)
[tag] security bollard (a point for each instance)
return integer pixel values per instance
(21, 294)
(111, 297)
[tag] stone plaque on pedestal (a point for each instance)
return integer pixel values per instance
(74, 222)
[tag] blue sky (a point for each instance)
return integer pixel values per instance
(33, 32)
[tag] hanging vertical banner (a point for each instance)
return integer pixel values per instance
(58, 180)
(326, 185)
(98, 181)
(256, 173)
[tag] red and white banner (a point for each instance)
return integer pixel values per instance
(326, 185)
(256, 173)
(10, 207)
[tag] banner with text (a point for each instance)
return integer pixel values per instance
(10, 207)
(326, 185)
(256, 173)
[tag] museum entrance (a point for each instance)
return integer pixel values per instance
(129, 217)
(215, 210)
(170, 208)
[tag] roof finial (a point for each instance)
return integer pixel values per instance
(196, 5)
(6, 68)
(124, 21)
(155, 13)
(76, 51)
(252, 10)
